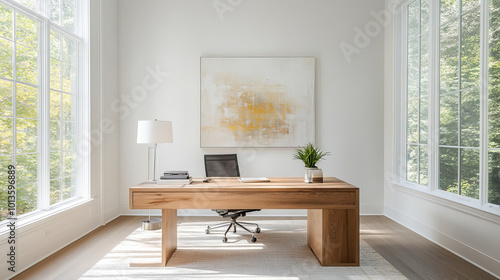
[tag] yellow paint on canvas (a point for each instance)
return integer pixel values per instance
(253, 110)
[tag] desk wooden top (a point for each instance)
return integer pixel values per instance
(231, 184)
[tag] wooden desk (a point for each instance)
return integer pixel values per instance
(332, 210)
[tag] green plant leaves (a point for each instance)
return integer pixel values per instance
(309, 154)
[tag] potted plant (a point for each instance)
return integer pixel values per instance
(310, 155)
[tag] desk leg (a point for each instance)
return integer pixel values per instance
(169, 234)
(333, 235)
(168, 238)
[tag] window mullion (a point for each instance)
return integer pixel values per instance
(419, 88)
(483, 93)
(14, 88)
(459, 121)
(402, 85)
(44, 117)
(433, 145)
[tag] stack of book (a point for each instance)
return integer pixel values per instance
(175, 178)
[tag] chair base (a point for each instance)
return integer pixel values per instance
(232, 224)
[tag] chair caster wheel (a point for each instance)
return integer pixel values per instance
(257, 230)
(253, 239)
(207, 231)
(224, 239)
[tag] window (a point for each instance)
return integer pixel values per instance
(494, 103)
(42, 107)
(417, 92)
(451, 86)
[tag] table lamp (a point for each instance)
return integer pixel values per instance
(153, 132)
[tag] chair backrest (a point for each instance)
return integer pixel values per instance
(222, 165)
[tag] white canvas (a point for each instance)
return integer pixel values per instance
(257, 102)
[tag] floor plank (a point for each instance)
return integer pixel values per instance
(411, 254)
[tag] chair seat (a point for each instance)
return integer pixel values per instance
(230, 212)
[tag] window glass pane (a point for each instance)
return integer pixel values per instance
(470, 116)
(448, 169)
(32, 4)
(412, 121)
(449, 10)
(5, 98)
(494, 177)
(55, 11)
(55, 191)
(6, 53)
(55, 135)
(69, 134)
(413, 69)
(6, 22)
(69, 65)
(449, 57)
(69, 163)
(448, 119)
(27, 65)
(55, 74)
(69, 77)
(424, 65)
(424, 15)
(68, 109)
(55, 45)
(494, 76)
(424, 163)
(469, 173)
(55, 105)
(424, 120)
(5, 161)
(55, 165)
(26, 136)
(6, 136)
(468, 5)
(27, 101)
(413, 20)
(412, 163)
(470, 49)
(26, 31)
(69, 187)
(68, 15)
(27, 177)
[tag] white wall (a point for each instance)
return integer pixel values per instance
(42, 238)
(110, 124)
(470, 233)
(172, 35)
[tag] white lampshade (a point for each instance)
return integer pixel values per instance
(153, 131)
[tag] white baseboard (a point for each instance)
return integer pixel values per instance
(52, 251)
(460, 249)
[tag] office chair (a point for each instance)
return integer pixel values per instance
(227, 166)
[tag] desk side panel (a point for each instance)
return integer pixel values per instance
(333, 235)
(169, 234)
(315, 231)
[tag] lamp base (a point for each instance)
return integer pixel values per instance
(153, 224)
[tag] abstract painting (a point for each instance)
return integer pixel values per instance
(257, 102)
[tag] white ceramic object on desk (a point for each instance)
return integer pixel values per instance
(313, 175)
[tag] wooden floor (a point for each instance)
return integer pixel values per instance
(410, 253)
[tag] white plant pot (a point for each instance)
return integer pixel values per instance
(313, 175)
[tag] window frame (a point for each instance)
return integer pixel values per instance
(82, 142)
(400, 112)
